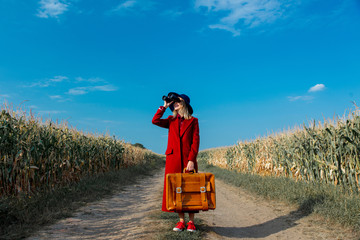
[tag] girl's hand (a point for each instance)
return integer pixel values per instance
(190, 166)
(166, 104)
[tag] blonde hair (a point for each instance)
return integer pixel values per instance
(184, 111)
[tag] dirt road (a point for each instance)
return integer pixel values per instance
(239, 215)
(122, 216)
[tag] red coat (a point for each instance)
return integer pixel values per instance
(182, 146)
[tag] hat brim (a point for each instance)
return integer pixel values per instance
(191, 111)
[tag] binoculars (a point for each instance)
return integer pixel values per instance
(171, 97)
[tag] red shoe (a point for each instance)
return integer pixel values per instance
(179, 227)
(191, 227)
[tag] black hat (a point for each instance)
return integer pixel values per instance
(187, 102)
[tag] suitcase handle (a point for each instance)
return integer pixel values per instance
(193, 171)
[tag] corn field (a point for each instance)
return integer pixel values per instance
(36, 155)
(326, 152)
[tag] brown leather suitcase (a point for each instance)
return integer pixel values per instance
(190, 192)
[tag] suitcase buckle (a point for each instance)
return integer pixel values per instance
(178, 190)
(202, 189)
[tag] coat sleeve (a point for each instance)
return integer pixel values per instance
(161, 122)
(195, 142)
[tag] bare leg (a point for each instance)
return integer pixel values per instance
(191, 216)
(180, 226)
(182, 217)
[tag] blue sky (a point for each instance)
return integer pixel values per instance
(249, 67)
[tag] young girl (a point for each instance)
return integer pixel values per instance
(182, 148)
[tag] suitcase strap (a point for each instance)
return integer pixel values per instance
(178, 193)
(203, 193)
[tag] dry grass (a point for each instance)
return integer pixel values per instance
(325, 152)
(37, 155)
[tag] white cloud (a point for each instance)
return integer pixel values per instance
(247, 13)
(173, 14)
(235, 32)
(302, 98)
(49, 82)
(65, 100)
(133, 6)
(85, 90)
(125, 5)
(58, 79)
(317, 88)
(5, 95)
(92, 80)
(52, 8)
(54, 97)
(59, 98)
(250, 14)
(78, 91)
(106, 88)
(72, 89)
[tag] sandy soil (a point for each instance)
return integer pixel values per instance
(239, 215)
(123, 216)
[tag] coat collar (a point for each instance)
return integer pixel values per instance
(185, 125)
